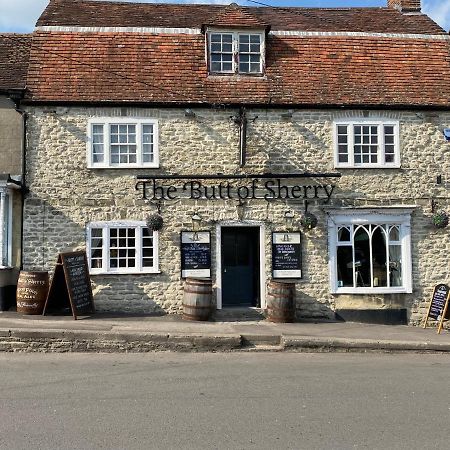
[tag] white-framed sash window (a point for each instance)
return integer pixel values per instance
(122, 142)
(370, 251)
(366, 143)
(122, 247)
(232, 52)
(5, 227)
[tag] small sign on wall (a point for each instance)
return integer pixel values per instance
(286, 255)
(196, 254)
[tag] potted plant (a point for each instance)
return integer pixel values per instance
(154, 222)
(308, 221)
(440, 219)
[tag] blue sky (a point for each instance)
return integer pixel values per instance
(20, 15)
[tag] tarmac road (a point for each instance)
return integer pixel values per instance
(224, 401)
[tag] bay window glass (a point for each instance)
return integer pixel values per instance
(370, 255)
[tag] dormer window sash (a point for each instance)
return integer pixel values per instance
(236, 52)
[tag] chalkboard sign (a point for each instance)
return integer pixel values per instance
(70, 289)
(195, 254)
(286, 255)
(438, 308)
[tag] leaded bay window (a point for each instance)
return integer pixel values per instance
(122, 142)
(236, 52)
(370, 253)
(367, 143)
(122, 247)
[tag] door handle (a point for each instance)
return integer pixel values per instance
(224, 270)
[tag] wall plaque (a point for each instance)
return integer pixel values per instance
(70, 289)
(286, 255)
(195, 254)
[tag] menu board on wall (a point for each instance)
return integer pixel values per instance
(70, 289)
(286, 255)
(438, 308)
(196, 254)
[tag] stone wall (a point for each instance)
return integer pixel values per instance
(65, 196)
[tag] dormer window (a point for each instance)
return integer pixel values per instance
(236, 52)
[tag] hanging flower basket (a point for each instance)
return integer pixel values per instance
(308, 221)
(440, 219)
(154, 222)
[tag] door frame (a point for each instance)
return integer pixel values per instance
(262, 257)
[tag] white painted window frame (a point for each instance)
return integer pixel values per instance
(350, 142)
(235, 42)
(6, 222)
(107, 122)
(357, 217)
(105, 226)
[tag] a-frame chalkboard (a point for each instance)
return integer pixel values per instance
(70, 289)
(438, 308)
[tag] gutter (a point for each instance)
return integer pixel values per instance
(255, 105)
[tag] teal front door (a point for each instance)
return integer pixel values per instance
(240, 266)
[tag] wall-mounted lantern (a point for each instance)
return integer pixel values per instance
(289, 222)
(196, 222)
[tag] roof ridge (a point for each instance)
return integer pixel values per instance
(233, 15)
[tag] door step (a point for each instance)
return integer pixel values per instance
(241, 314)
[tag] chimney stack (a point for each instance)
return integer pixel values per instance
(405, 5)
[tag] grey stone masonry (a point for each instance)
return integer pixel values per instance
(65, 196)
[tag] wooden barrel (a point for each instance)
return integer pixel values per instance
(280, 302)
(32, 289)
(197, 299)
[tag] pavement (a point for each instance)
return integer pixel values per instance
(125, 333)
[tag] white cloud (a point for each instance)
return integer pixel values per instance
(439, 11)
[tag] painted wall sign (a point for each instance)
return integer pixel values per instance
(70, 289)
(438, 305)
(271, 189)
(195, 254)
(286, 255)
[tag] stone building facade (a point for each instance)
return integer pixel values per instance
(367, 159)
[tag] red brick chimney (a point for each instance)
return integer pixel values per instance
(405, 5)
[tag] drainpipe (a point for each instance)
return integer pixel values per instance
(16, 97)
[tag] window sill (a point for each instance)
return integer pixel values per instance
(124, 166)
(227, 75)
(123, 272)
(369, 166)
(373, 291)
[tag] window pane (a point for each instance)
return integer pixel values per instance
(345, 266)
(395, 265)
(368, 153)
(362, 256)
(379, 256)
(344, 234)
(244, 38)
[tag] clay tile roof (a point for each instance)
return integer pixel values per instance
(14, 54)
(233, 16)
(343, 57)
(89, 13)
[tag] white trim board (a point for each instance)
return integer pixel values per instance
(262, 258)
(298, 33)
